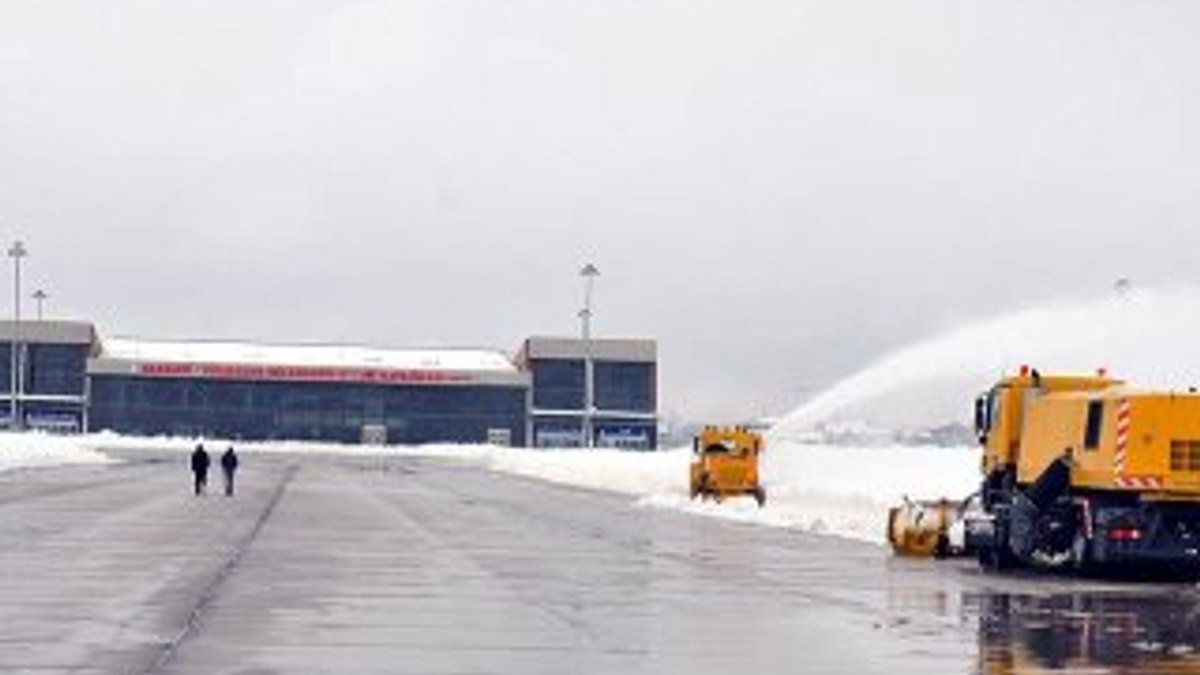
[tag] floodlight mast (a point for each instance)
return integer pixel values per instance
(589, 274)
(17, 251)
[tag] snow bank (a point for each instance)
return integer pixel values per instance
(848, 490)
(834, 490)
(107, 440)
(36, 450)
(840, 491)
(633, 473)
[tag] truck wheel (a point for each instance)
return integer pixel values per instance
(760, 496)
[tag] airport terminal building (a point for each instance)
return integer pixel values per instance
(68, 378)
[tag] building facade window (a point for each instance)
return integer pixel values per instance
(625, 386)
(558, 384)
(305, 411)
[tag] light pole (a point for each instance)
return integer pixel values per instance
(16, 252)
(589, 274)
(38, 296)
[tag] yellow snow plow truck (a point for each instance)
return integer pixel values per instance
(1086, 473)
(725, 464)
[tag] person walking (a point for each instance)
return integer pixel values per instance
(200, 462)
(229, 465)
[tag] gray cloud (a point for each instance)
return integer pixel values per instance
(779, 191)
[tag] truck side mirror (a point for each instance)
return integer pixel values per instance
(983, 423)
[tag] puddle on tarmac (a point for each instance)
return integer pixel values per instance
(1114, 631)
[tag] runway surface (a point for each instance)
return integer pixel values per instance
(404, 565)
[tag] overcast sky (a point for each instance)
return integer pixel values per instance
(779, 191)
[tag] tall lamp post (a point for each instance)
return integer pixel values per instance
(16, 252)
(39, 296)
(589, 274)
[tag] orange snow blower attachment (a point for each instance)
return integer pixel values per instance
(926, 528)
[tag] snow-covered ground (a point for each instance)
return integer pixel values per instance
(835, 490)
(34, 450)
(842, 491)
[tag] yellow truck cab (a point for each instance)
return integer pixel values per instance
(725, 464)
(1088, 472)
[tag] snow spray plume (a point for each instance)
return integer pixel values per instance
(1147, 337)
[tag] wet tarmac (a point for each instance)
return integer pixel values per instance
(322, 565)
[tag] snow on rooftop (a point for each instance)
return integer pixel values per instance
(337, 356)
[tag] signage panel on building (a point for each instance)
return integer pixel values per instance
(299, 373)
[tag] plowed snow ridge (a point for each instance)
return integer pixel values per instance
(841, 491)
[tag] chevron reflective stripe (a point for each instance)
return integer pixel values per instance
(1120, 478)
(1140, 482)
(1123, 418)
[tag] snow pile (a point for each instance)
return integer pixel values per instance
(1144, 336)
(35, 450)
(841, 491)
(633, 473)
(848, 490)
(107, 440)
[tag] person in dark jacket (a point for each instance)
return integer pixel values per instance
(200, 462)
(229, 464)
